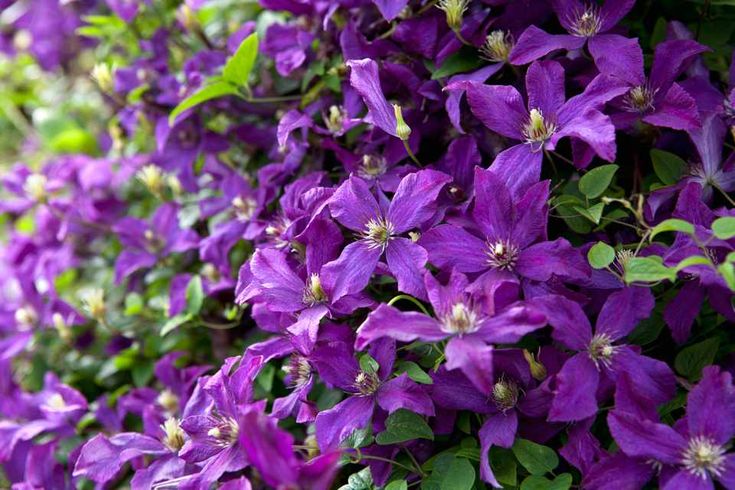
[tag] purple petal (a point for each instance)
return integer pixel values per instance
(570, 325)
(689, 481)
(594, 128)
(670, 59)
(616, 472)
(493, 209)
(351, 272)
(336, 424)
(623, 310)
(576, 387)
(542, 260)
(519, 167)
(474, 358)
(452, 247)
(353, 205)
(454, 98)
(498, 430)
(654, 381)
(365, 79)
(498, 107)
(676, 109)
(402, 392)
(711, 405)
(390, 9)
(511, 324)
(278, 284)
(535, 43)
(646, 439)
(612, 12)
(414, 201)
(404, 326)
(545, 87)
(290, 122)
(618, 56)
(683, 308)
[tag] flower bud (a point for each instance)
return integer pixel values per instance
(402, 129)
(454, 10)
(102, 74)
(538, 370)
(152, 177)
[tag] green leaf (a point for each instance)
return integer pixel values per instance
(673, 224)
(537, 459)
(133, 304)
(693, 260)
(414, 372)
(214, 90)
(404, 425)
(362, 480)
(360, 437)
(73, 140)
(593, 213)
(504, 466)
(534, 482)
(691, 360)
(174, 323)
(600, 255)
(724, 228)
(668, 167)
(142, 373)
(397, 485)
(593, 183)
(727, 271)
(368, 364)
(647, 269)
(450, 473)
(238, 68)
(459, 62)
(194, 296)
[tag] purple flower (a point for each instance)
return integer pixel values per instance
(547, 118)
(511, 245)
(145, 243)
(697, 448)
(470, 320)
(586, 23)
(338, 367)
(600, 356)
(379, 226)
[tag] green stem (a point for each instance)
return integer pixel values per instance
(410, 153)
(413, 300)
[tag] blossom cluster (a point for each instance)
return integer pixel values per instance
(369, 244)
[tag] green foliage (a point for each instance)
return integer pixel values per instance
(450, 473)
(692, 359)
(600, 255)
(535, 458)
(668, 167)
(593, 183)
(404, 425)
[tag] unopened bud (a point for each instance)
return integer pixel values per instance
(402, 129)
(152, 177)
(102, 75)
(538, 370)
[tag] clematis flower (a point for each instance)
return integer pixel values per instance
(508, 239)
(600, 357)
(657, 99)
(586, 22)
(379, 227)
(696, 448)
(145, 243)
(288, 46)
(504, 403)
(270, 450)
(368, 390)
(546, 119)
(470, 320)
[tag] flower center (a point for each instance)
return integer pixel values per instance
(168, 400)
(640, 99)
(225, 432)
(502, 255)
(505, 394)
(152, 177)
(538, 129)
(378, 232)
(56, 402)
(497, 46)
(335, 119)
(244, 208)
(704, 457)
(587, 23)
(154, 242)
(173, 434)
(601, 350)
(366, 383)
(26, 316)
(35, 187)
(372, 166)
(94, 303)
(454, 10)
(314, 293)
(460, 320)
(298, 371)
